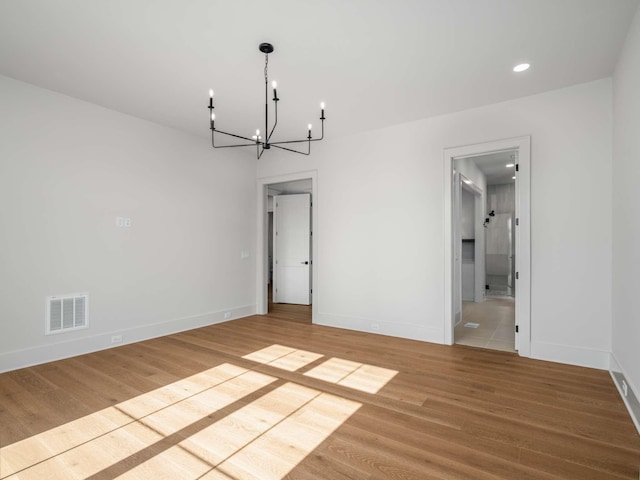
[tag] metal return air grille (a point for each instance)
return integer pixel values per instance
(67, 312)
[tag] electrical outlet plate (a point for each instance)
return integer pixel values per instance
(123, 222)
(227, 315)
(625, 388)
(116, 339)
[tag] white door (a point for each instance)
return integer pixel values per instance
(292, 249)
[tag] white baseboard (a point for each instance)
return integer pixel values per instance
(381, 327)
(571, 355)
(631, 400)
(92, 343)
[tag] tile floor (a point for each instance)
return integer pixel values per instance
(496, 324)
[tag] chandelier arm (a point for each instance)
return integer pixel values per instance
(308, 152)
(233, 146)
(302, 141)
(295, 141)
(232, 135)
(276, 120)
(322, 128)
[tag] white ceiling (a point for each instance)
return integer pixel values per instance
(375, 63)
(494, 166)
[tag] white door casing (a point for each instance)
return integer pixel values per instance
(292, 244)
(262, 265)
(523, 235)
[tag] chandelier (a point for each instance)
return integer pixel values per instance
(264, 143)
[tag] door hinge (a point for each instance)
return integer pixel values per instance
(517, 329)
(517, 167)
(517, 275)
(311, 291)
(517, 221)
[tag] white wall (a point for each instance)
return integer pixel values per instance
(67, 169)
(380, 206)
(626, 209)
(468, 167)
(467, 215)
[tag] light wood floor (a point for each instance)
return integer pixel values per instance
(275, 397)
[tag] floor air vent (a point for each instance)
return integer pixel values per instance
(67, 312)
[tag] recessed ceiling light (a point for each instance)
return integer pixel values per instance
(521, 67)
(513, 177)
(509, 165)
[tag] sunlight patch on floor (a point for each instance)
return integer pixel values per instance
(274, 454)
(90, 444)
(265, 439)
(285, 358)
(359, 376)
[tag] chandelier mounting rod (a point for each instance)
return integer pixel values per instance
(257, 140)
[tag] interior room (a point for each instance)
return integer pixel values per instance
(140, 145)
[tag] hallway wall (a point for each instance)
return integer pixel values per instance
(501, 236)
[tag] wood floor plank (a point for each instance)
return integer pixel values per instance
(277, 397)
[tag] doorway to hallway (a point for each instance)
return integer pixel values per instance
(287, 277)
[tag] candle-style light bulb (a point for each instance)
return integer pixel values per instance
(309, 127)
(274, 84)
(213, 117)
(210, 98)
(322, 105)
(210, 93)
(257, 133)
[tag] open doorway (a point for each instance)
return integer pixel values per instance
(285, 254)
(496, 260)
(487, 254)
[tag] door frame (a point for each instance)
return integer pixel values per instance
(262, 254)
(523, 234)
